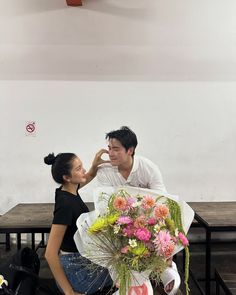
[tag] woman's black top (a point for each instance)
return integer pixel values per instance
(68, 208)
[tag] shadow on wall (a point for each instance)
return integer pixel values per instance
(24, 7)
(127, 9)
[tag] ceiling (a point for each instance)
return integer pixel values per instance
(148, 40)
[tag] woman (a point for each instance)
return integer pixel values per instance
(74, 274)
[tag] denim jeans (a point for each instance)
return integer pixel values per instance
(83, 275)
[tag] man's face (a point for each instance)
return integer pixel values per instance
(117, 153)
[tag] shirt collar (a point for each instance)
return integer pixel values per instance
(135, 164)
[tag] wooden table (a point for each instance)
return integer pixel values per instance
(29, 218)
(214, 217)
(226, 282)
(37, 217)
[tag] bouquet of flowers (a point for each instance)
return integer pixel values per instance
(135, 233)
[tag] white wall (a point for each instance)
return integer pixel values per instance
(187, 128)
(120, 40)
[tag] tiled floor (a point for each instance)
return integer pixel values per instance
(224, 258)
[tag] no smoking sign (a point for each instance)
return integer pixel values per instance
(30, 128)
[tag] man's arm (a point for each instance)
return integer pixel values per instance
(153, 175)
(103, 176)
(156, 181)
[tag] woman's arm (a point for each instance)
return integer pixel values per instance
(53, 246)
(94, 168)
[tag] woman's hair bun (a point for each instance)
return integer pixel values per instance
(50, 159)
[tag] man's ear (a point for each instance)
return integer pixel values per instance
(130, 151)
(66, 178)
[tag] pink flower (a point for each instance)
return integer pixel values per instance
(151, 221)
(161, 211)
(120, 203)
(128, 231)
(183, 239)
(174, 239)
(124, 220)
(130, 202)
(169, 250)
(124, 250)
(143, 234)
(150, 245)
(148, 202)
(140, 221)
(164, 244)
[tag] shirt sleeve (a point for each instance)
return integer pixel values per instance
(156, 182)
(102, 177)
(155, 178)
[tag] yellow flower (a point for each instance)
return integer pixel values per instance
(139, 250)
(112, 218)
(102, 222)
(98, 225)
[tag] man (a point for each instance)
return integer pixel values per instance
(127, 169)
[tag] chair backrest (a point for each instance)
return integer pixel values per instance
(21, 272)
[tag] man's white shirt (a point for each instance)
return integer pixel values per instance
(144, 174)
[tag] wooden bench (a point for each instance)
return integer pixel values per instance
(226, 282)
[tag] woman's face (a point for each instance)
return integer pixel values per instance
(77, 172)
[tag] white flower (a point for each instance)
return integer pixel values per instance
(137, 204)
(176, 232)
(156, 228)
(2, 281)
(116, 229)
(132, 243)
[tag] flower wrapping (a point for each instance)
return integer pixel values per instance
(133, 230)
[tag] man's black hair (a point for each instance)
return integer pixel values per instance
(125, 136)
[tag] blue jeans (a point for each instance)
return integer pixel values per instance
(83, 275)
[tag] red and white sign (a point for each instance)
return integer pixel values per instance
(30, 128)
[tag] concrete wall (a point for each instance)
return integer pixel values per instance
(166, 68)
(187, 128)
(108, 40)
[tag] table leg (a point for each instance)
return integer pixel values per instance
(8, 242)
(18, 241)
(217, 284)
(208, 262)
(217, 289)
(33, 241)
(43, 239)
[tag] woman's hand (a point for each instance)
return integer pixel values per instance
(98, 158)
(94, 168)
